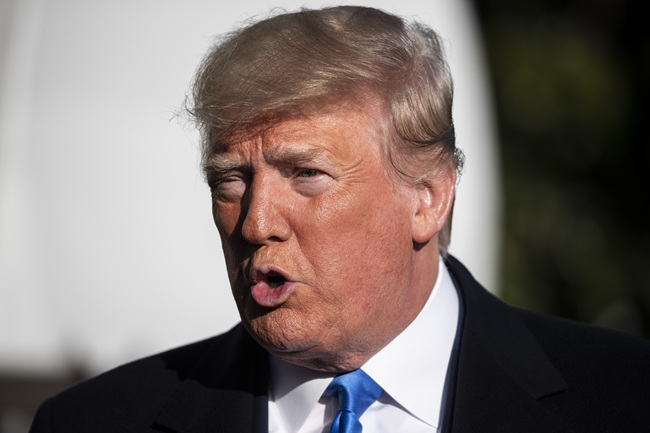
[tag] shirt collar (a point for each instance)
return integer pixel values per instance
(420, 353)
(296, 390)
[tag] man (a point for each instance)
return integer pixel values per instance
(329, 150)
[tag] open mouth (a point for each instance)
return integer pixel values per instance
(271, 288)
(274, 279)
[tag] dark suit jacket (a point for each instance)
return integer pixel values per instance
(516, 371)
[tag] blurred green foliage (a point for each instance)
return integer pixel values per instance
(570, 80)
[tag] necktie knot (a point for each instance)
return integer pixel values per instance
(356, 391)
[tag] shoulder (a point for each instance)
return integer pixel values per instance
(594, 379)
(575, 349)
(154, 374)
(564, 339)
(582, 351)
(134, 392)
(543, 373)
(607, 373)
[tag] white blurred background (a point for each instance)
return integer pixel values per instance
(107, 247)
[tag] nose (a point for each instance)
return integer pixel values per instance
(264, 220)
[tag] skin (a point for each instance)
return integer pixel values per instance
(312, 199)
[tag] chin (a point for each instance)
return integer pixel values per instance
(278, 333)
(301, 348)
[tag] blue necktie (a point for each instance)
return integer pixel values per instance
(356, 391)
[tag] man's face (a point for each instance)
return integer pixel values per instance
(317, 238)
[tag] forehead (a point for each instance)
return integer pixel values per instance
(334, 133)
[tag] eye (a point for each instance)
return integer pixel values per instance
(226, 180)
(310, 181)
(308, 172)
(227, 188)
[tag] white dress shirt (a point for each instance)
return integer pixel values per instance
(411, 369)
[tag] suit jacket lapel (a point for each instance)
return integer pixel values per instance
(227, 391)
(502, 373)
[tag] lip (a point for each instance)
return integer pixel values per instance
(271, 286)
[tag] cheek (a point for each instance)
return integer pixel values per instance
(356, 236)
(225, 217)
(368, 218)
(226, 220)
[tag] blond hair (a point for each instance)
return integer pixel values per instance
(293, 63)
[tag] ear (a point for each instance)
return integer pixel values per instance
(436, 198)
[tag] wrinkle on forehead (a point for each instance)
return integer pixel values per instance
(372, 104)
(290, 142)
(294, 140)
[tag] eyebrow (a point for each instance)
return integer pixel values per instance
(223, 163)
(293, 156)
